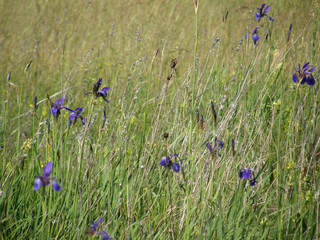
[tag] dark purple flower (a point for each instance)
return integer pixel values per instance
(233, 146)
(210, 148)
(45, 179)
(255, 36)
(29, 64)
(57, 106)
(220, 144)
(248, 174)
(201, 122)
(35, 101)
(167, 163)
(104, 235)
(198, 116)
(263, 12)
(214, 112)
(304, 75)
(94, 226)
(104, 118)
(99, 93)
(289, 32)
(253, 182)
(97, 85)
(75, 114)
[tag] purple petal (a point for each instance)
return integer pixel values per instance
(104, 235)
(246, 36)
(103, 93)
(246, 174)
(83, 121)
(54, 111)
(262, 6)
(47, 169)
(55, 186)
(255, 38)
(305, 66)
(105, 100)
(37, 184)
(176, 167)
(312, 69)
(173, 155)
(304, 80)
(60, 101)
(221, 144)
(95, 224)
(99, 220)
(310, 80)
(72, 116)
(163, 161)
(106, 89)
(69, 109)
(209, 147)
(257, 16)
(78, 111)
(270, 18)
(253, 182)
(241, 174)
(294, 77)
(267, 9)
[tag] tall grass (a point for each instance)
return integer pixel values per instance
(112, 171)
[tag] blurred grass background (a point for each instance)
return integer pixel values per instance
(74, 43)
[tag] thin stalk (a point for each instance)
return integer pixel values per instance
(188, 219)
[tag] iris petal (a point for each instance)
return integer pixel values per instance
(47, 169)
(37, 184)
(267, 9)
(246, 174)
(104, 235)
(176, 167)
(257, 16)
(310, 80)
(294, 77)
(55, 185)
(163, 162)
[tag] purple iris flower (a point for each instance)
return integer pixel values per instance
(263, 12)
(218, 143)
(45, 179)
(57, 106)
(304, 75)
(99, 93)
(75, 114)
(248, 174)
(255, 36)
(94, 226)
(167, 163)
(93, 229)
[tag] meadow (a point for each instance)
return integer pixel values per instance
(160, 119)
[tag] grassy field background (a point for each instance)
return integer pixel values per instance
(112, 171)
